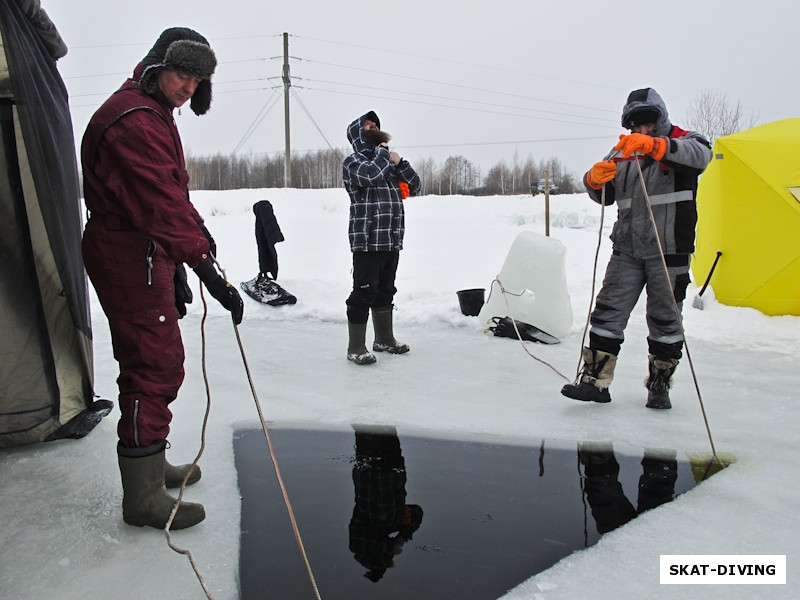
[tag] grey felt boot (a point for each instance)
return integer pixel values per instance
(382, 321)
(174, 475)
(357, 345)
(659, 381)
(595, 377)
(145, 500)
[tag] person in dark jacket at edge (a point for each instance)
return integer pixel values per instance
(141, 229)
(376, 179)
(671, 160)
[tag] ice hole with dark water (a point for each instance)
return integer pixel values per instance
(388, 514)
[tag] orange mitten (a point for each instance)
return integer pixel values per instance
(639, 142)
(600, 174)
(404, 190)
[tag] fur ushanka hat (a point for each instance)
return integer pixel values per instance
(181, 49)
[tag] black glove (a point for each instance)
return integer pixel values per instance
(222, 291)
(503, 327)
(212, 245)
(183, 293)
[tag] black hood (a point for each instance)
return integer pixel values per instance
(355, 131)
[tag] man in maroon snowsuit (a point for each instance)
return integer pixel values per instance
(142, 228)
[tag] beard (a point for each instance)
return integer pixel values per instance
(375, 136)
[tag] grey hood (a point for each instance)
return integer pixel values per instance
(647, 99)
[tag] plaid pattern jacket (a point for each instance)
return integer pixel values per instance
(377, 218)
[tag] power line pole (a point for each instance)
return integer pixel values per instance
(547, 202)
(287, 83)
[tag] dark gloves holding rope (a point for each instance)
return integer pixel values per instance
(639, 142)
(600, 174)
(222, 291)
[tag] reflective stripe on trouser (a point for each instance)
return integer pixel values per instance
(623, 283)
(151, 373)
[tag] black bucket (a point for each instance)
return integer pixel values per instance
(471, 301)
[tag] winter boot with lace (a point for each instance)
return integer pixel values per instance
(145, 501)
(594, 379)
(659, 381)
(384, 332)
(357, 345)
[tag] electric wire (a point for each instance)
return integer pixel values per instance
(446, 84)
(438, 97)
(493, 68)
(259, 118)
(308, 114)
(467, 108)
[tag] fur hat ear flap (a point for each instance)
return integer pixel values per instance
(148, 81)
(201, 100)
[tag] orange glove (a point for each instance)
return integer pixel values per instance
(405, 192)
(600, 174)
(639, 142)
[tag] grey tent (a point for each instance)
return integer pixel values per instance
(46, 387)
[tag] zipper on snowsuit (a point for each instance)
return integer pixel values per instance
(136, 423)
(151, 250)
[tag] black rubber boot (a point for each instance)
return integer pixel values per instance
(384, 332)
(659, 381)
(594, 379)
(145, 501)
(357, 346)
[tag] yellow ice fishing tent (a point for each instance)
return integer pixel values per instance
(748, 207)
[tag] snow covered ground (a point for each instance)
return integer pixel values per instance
(62, 532)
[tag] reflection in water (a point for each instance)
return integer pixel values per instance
(382, 522)
(610, 507)
(494, 514)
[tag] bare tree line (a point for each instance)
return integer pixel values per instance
(323, 169)
(713, 115)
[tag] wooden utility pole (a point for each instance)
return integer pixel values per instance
(287, 83)
(547, 202)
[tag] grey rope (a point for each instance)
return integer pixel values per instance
(516, 329)
(273, 456)
(183, 551)
(594, 279)
(678, 316)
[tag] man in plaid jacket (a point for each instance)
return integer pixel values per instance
(372, 176)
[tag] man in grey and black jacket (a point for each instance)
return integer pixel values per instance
(671, 160)
(377, 181)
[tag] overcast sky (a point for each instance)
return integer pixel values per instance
(481, 79)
